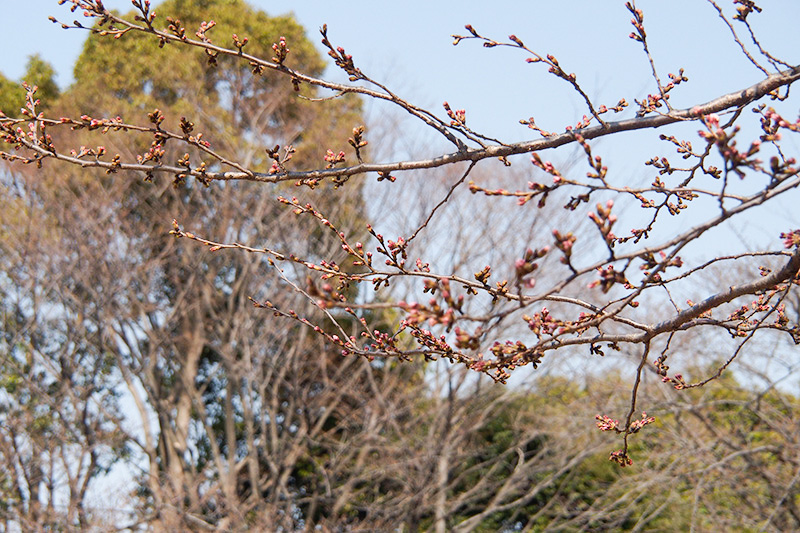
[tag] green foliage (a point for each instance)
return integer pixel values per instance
(41, 74)
(135, 71)
(12, 96)
(38, 73)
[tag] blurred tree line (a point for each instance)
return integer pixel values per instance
(140, 390)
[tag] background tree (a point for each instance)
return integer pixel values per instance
(227, 405)
(38, 73)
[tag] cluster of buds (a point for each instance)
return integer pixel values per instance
(565, 244)
(586, 120)
(726, 144)
(333, 158)
(428, 340)
(637, 425)
(604, 220)
(745, 316)
(638, 23)
(240, 43)
(84, 151)
(201, 34)
(185, 162)
(281, 51)
(608, 278)
(621, 458)
(467, 341)
(397, 252)
(547, 166)
(740, 315)
(622, 104)
(650, 104)
(665, 167)
(204, 27)
(661, 365)
(555, 68)
(683, 147)
(154, 154)
(675, 80)
(605, 423)
(147, 16)
(357, 141)
(526, 264)
(745, 8)
(654, 101)
(480, 364)
(781, 320)
(116, 163)
(542, 323)
(677, 381)
(177, 29)
(662, 369)
(186, 126)
(650, 263)
(421, 266)
(96, 9)
(342, 60)
(483, 275)
(280, 157)
(457, 117)
(686, 196)
(156, 117)
(772, 123)
(383, 342)
(515, 354)
(791, 239)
